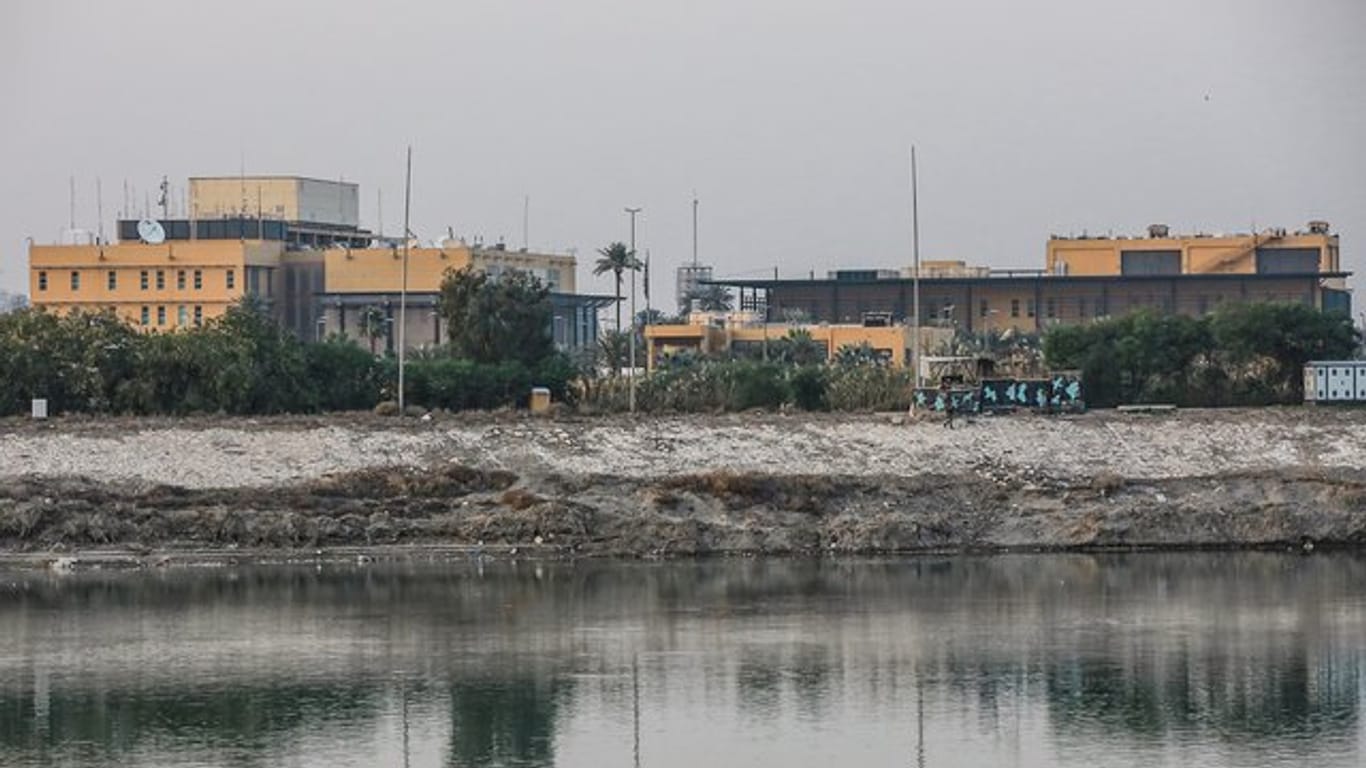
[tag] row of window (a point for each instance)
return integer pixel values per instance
(196, 277)
(183, 315)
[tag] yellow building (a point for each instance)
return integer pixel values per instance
(281, 198)
(155, 287)
(709, 334)
(1271, 252)
(361, 292)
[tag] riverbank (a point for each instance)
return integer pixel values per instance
(675, 486)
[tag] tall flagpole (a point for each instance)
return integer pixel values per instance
(403, 288)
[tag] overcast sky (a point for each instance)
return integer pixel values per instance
(791, 119)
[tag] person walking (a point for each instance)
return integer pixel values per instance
(947, 395)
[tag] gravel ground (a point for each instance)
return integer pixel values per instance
(226, 453)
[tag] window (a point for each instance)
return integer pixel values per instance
(181, 316)
(42, 281)
(1014, 307)
(1081, 306)
(75, 281)
(161, 314)
(983, 309)
(180, 279)
(146, 316)
(1029, 307)
(198, 316)
(1050, 307)
(161, 280)
(143, 281)
(198, 279)
(232, 279)
(113, 280)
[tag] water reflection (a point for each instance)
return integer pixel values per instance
(1043, 660)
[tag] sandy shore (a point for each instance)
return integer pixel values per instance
(687, 484)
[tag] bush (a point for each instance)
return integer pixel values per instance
(1248, 354)
(808, 385)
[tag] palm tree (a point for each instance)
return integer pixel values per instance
(616, 258)
(712, 298)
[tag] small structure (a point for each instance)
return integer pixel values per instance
(1335, 381)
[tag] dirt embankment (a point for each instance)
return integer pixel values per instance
(681, 486)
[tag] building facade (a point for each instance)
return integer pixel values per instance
(360, 299)
(1086, 279)
(294, 244)
(709, 334)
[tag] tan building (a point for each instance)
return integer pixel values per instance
(709, 334)
(1270, 252)
(360, 299)
(279, 198)
(1085, 279)
(156, 287)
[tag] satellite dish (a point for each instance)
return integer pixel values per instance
(151, 232)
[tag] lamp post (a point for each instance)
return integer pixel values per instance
(632, 266)
(403, 287)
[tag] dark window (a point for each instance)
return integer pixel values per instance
(1081, 306)
(42, 281)
(1050, 307)
(983, 309)
(1029, 307)
(75, 281)
(161, 315)
(161, 280)
(146, 316)
(1150, 262)
(232, 279)
(113, 278)
(180, 279)
(143, 281)
(198, 316)
(198, 279)
(1014, 307)
(181, 316)
(1287, 261)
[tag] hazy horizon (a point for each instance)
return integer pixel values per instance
(790, 121)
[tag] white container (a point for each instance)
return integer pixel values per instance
(1361, 382)
(1335, 381)
(40, 409)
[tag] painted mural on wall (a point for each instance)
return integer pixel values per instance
(1060, 392)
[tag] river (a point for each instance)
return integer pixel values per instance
(1031, 660)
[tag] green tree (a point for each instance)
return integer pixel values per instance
(617, 259)
(712, 298)
(799, 348)
(492, 320)
(373, 325)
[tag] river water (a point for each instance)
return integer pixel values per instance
(1072, 660)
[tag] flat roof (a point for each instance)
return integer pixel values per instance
(1015, 276)
(274, 177)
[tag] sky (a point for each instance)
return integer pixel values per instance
(790, 120)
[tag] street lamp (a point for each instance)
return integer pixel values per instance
(632, 266)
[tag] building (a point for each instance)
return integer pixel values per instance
(183, 272)
(743, 332)
(1272, 252)
(295, 245)
(1086, 278)
(361, 292)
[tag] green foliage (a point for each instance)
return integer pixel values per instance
(1245, 354)
(617, 259)
(490, 320)
(711, 298)
(856, 355)
(809, 385)
(798, 348)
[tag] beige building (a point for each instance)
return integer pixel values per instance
(360, 299)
